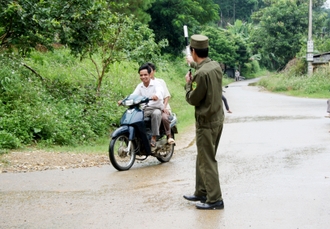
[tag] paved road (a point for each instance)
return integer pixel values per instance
(274, 164)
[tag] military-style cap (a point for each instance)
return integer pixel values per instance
(199, 41)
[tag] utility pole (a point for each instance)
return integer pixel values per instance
(310, 45)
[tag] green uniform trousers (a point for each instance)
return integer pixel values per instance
(207, 175)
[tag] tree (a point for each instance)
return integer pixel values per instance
(279, 35)
(169, 16)
(229, 46)
(88, 28)
(316, 3)
(92, 30)
(137, 8)
(240, 32)
(24, 25)
(321, 24)
(231, 10)
(222, 46)
(121, 38)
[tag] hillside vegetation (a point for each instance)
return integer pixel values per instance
(57, 103)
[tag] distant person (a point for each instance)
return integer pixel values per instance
(328, 109)
(226, 104)
(237, 75)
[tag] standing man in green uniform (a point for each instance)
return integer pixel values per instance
(203, 91)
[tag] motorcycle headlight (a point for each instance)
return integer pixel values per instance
(128, 102)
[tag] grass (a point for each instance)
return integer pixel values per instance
(98, 147)
(313, 86)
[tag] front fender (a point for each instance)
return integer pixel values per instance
(122, 130)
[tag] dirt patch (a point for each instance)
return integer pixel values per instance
(40, 160)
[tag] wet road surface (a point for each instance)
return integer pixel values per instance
(274, 165)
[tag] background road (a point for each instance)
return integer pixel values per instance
(274, 164)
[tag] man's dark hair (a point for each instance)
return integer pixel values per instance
(202, 53)
(151, 65)
(145, 66)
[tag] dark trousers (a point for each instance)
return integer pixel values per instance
(225, 102)
(166, 123)
(207, 175)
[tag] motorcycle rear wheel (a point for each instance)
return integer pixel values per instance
(120, 156)
(166, 155)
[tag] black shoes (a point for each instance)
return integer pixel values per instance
(209, 206)
(203, 205)
(195, 198)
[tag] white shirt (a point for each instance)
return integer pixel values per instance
(165, 90)
(154, 88)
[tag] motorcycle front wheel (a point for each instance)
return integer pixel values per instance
(121, 157)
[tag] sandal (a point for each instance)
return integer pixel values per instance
(170, 141)
(153, 143)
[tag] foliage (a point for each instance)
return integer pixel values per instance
(8, 141)
(251, 68)
(62, 109)
(240, 28)
(230, 46)
(316, 3)
(87, 27)
(321, 45)
(137, 8)
(121, 38)
(321, 28)
(231, 10)
(35, 111)
(24, 25)
(279, 36)
(95, 29)
(222, 45)
(169, 16)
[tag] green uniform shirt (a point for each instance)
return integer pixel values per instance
(205, 93)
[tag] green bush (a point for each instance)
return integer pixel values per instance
(56, 110)
(250, 69)
(8, 141)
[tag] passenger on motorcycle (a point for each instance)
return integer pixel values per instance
(166, 112)
(151, 89)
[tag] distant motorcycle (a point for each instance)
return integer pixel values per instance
(131, 141)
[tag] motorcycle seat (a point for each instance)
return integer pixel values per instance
(148, 118)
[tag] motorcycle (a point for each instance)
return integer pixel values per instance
(131, 140)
